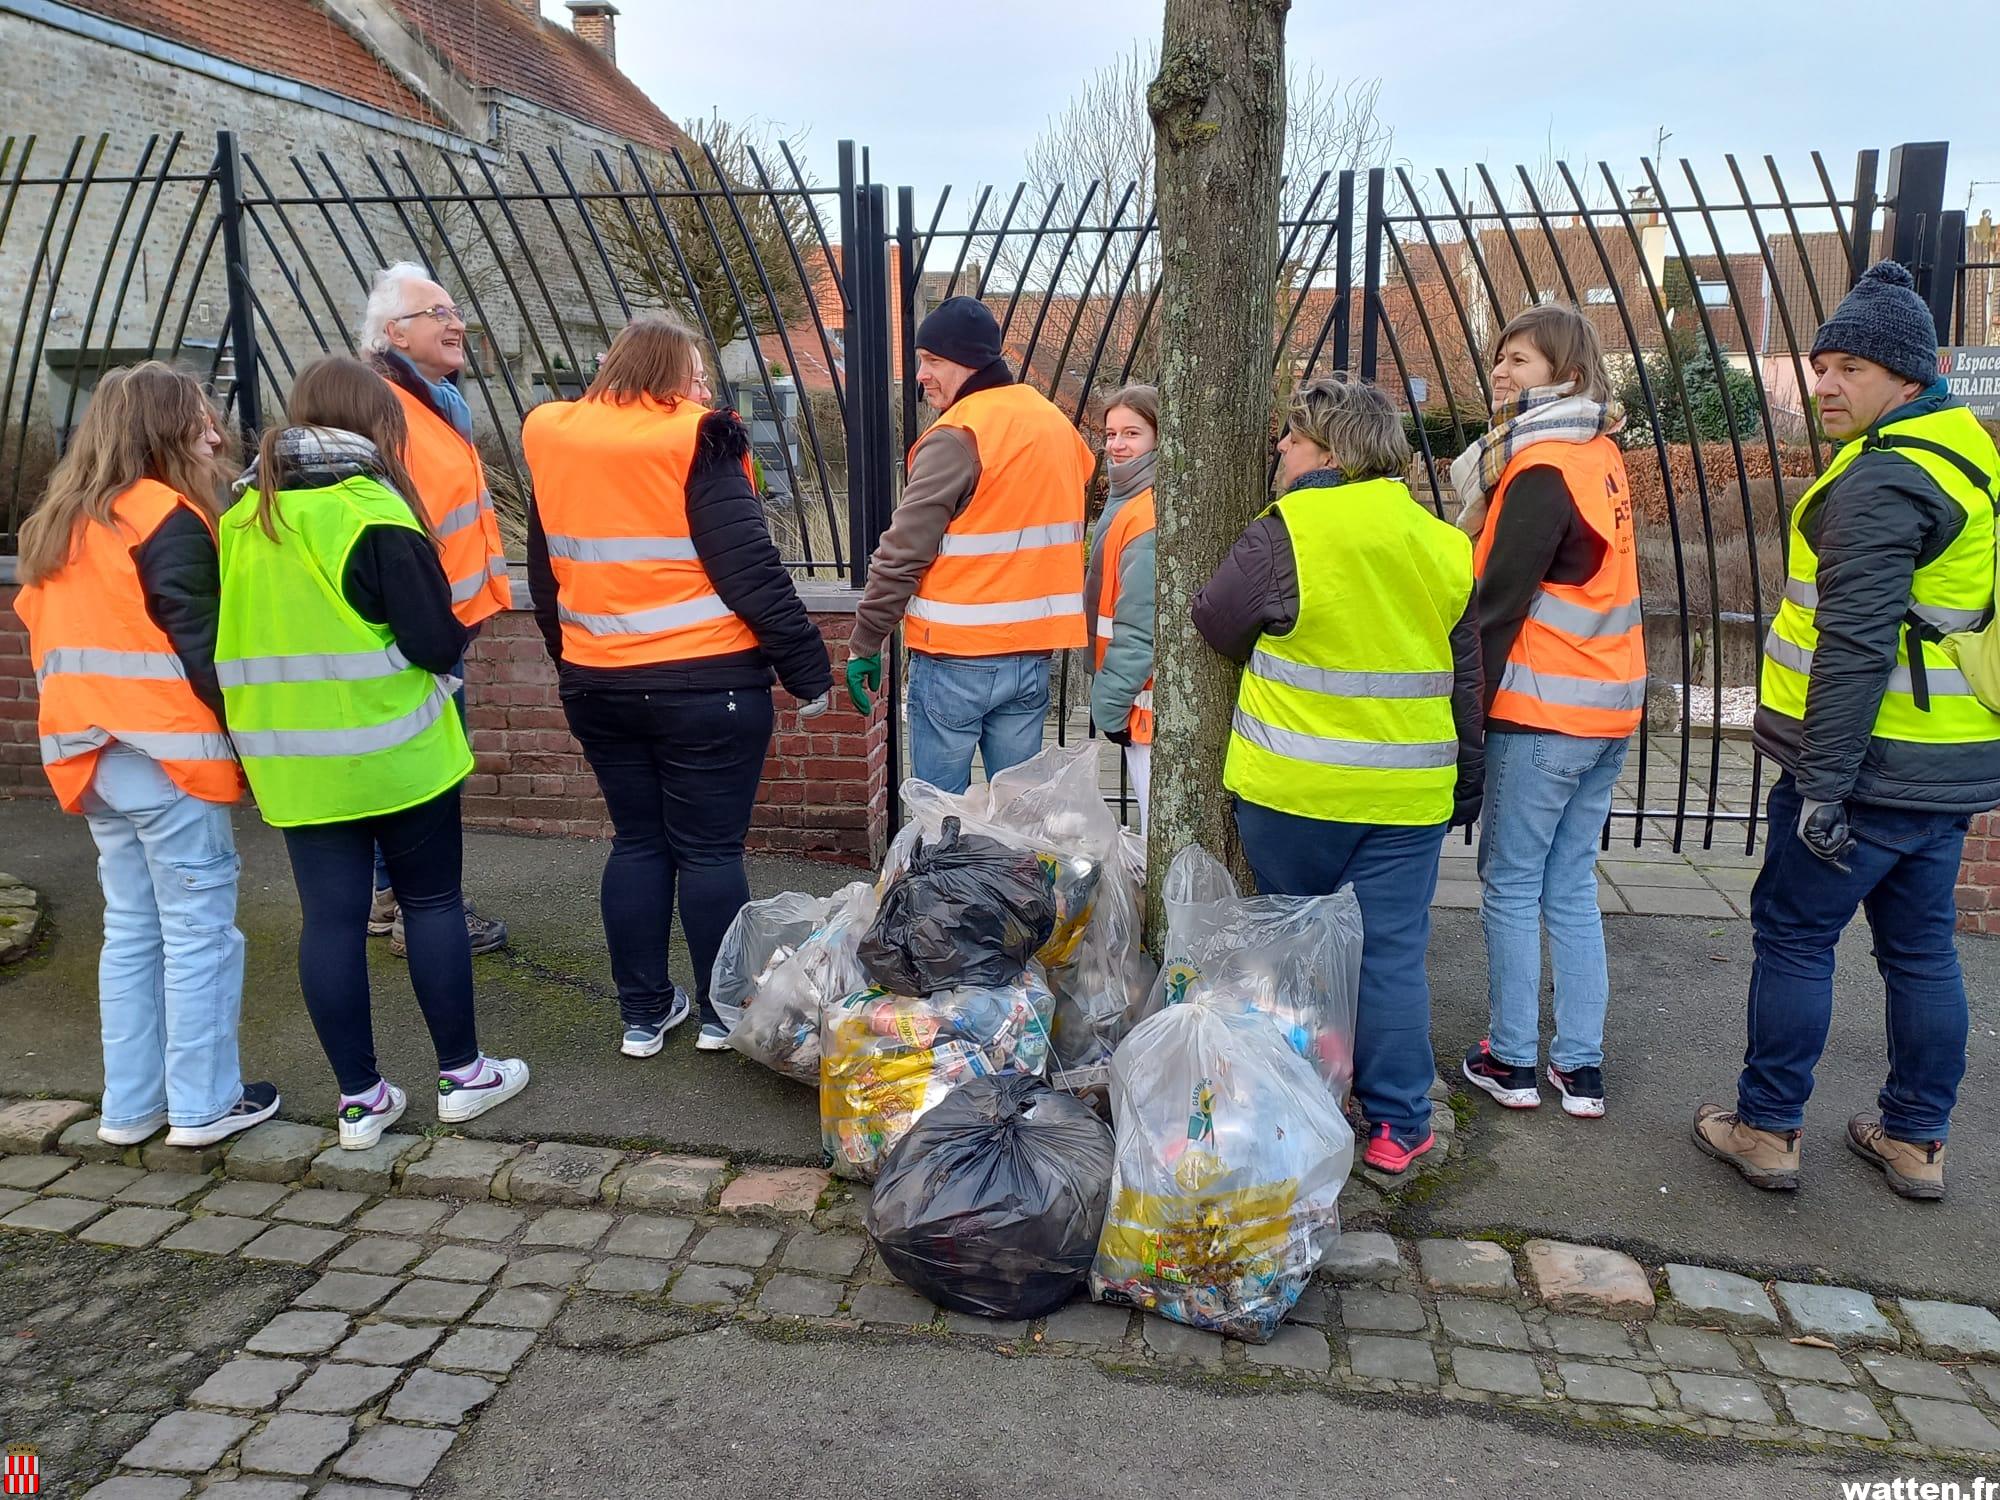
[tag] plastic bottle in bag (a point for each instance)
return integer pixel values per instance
(993, 1201)
(1231, 1154)
(799, 976)
(886, 1059)
(1295, 960)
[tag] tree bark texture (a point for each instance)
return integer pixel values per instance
(1218, 109)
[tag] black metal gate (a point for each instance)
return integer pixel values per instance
(807, 297)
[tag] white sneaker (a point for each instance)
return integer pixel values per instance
(133, 1134)
(361, 1127)
(257, 1104)
(502, 1079)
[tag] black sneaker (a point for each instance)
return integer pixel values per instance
(1582, 1090)
(1514, 1087)
(258, 1104)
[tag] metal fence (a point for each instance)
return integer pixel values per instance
(1706, 297)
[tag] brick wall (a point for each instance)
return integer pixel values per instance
(825, 790)
(1979, 877)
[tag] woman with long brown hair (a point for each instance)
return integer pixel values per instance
(119, 568)
(667, 611)
(336, 642)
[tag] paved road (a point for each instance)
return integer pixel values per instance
(1675, 1035)
(730, 1413)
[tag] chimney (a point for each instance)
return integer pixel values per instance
(596, 21)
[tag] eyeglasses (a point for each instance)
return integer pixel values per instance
(444, 312)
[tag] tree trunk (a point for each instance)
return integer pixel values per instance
(1218, 110)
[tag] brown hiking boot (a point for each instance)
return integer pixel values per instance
(1914, 1169)
(1768, 1159)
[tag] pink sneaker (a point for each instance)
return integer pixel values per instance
(1386, 1154)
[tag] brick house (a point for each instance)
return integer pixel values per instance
(314, 90)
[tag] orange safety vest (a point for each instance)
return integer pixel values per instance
(1134, 521)
(104, 671)
(451, 483)
(611, 490)
(1008, 577)
(1579, 664)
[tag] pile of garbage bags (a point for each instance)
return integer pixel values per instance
(992, 1203)
(973, 1017)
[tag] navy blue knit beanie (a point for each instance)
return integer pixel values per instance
(962, 330)
(1884, 319)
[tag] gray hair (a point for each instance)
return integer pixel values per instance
(1355, 423)
(385, 303)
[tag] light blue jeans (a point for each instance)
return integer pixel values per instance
(170, 977)
(1547, 796)
(994, 704)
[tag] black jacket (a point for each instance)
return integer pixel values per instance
(1256, 589)
(726, 524)
(1871, 529)
(182, 585)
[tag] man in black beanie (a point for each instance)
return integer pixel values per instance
(983, 562)
(1885, 749)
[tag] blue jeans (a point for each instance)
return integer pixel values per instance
(679, 772)
(995, 704)
(1547, 796)
(1902, 872)
(170, 976)
(1394, 871)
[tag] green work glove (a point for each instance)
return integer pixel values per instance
(864, 674)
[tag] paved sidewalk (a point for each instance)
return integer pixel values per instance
(1632, 1179)
(420, 1276)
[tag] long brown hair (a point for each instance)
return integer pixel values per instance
(144, 422)
(345, 394)
(1568, 341)
(653, 355)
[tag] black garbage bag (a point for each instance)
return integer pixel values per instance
(993, 1202)
(969, 911)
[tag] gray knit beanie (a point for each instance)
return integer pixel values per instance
(1884, 319)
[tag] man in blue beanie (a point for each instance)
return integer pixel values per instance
(1885, 749)
(983, 562)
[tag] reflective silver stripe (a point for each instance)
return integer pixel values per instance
(1806, 596)
(1949, 619)
(611, 549)
(1943, 682)
(312, 666)
(161, 746)
(1366, 755)
(1583, 622)
(1337, 684)
(1572, 692)
(465, 588)
(329, 742)
(647, 621)
(102, 661)
(1144, 700)
(994, 543)
(455, 521)
(1016, 612)
(1105, 627)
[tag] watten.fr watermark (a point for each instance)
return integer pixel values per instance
(1920, 1489)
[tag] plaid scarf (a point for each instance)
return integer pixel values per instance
(315, 457)
(1546, 414)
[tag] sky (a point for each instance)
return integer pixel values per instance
(955, 93)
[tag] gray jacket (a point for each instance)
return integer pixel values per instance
(1128, 659)
(1871, 529)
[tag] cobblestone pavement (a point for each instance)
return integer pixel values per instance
(316, 1320)
(96, 1346)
